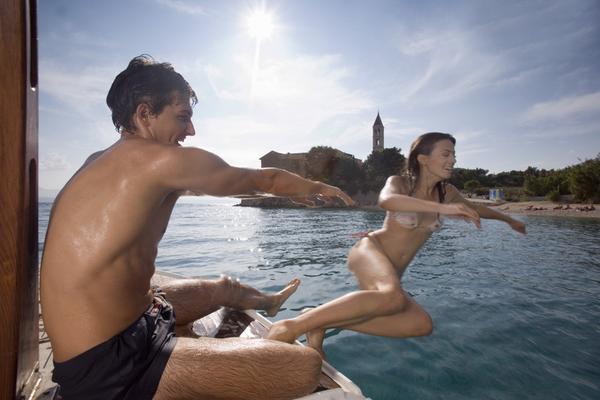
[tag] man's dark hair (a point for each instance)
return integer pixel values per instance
(144, 81)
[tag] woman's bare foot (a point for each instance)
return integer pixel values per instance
(282, 296)
(282, 332)
(315, 337)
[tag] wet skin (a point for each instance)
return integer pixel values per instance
(106, 223)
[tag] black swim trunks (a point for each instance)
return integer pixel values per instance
(126, 366)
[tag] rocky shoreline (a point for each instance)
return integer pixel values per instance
(546, 208)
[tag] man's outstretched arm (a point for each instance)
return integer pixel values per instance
(205, 173)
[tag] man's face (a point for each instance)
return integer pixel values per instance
(174, 122)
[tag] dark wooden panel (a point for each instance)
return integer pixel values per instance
(18, 197)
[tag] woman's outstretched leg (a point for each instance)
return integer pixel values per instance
(382, 295)
(414, 321)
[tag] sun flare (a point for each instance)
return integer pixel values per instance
(260, 24)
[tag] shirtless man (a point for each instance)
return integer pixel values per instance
(111, 333)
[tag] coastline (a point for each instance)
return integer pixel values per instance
(540, 208)
(548, 208)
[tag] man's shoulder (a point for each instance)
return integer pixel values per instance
(145, 152)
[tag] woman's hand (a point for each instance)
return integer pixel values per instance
(463, 211)
(517, 226)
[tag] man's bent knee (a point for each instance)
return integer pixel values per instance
(312, 362)
(303, 368)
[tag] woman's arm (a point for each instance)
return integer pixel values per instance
(454, 196)
(394, 197)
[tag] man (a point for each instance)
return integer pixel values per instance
(111, 333)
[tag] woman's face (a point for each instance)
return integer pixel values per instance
(441, 160)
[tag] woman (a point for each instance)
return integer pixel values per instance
(414, 203)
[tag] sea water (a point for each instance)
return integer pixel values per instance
(515, 317)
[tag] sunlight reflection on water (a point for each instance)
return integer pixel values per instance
(515, 316)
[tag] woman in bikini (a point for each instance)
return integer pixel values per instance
(414, 203)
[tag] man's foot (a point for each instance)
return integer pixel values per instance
(282, 296)
(281, 332)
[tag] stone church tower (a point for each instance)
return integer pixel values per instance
(378, 134)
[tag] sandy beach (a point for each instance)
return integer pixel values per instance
(548, 208)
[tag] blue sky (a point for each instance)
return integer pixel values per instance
(517, 82)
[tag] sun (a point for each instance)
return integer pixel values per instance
(260, 24)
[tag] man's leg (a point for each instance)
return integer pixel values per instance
(208, 368)
(195, 298)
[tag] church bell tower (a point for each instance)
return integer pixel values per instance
(378, 134)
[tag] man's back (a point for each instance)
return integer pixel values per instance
(101, 245)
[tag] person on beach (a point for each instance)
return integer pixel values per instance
(112, 334)
(414, 203)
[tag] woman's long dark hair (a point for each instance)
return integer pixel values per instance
(424, 145)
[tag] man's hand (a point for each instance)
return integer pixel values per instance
(328, 192)
(304, 201)
(518, 226)
(325, 197)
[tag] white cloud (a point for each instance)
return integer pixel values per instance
(444, 63)
(215, 77)
(53, 162)
(297, 102)
(301, 81)
(567, 130)
(80, 89)
(447, 65)
(187, 7)
(80, 41)
(467, 136)
(563, 108)
(470, 143)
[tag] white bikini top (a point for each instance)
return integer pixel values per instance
(410, 220)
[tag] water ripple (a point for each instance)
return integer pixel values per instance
(514, 316)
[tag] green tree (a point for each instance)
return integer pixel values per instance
(541, 182)
(509, 179)
(460, 176)
(335, 167)
(584, 180)
(321, 161)
(348, 175)
(472, 185)
(381, 164)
